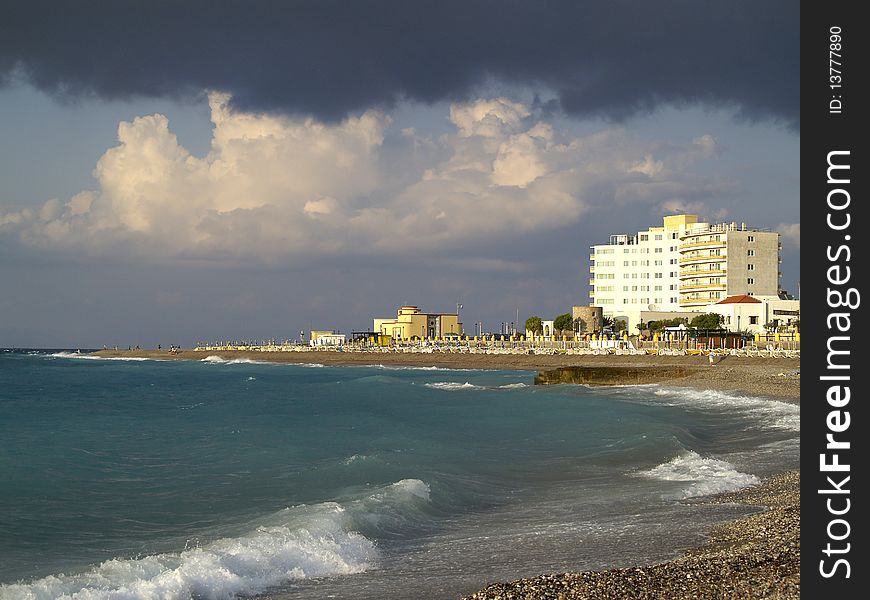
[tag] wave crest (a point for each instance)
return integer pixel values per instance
(452, 386)
(705, 475)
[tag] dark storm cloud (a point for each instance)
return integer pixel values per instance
(328, 57)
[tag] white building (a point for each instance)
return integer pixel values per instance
(685, 265)
(717, 261)
(326, 338)
(751, 314)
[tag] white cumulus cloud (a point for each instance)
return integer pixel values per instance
(275, 188)
(790, 233)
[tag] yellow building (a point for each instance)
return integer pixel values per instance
(411, 322)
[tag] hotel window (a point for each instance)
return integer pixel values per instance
(673, 261)
(658, 288)
(658, 275)
(750, 253)
(673, 273)
(673, 286)
(625, 300)
(673, 300)
(634, 288)
(673, 236)
(634, 263)
(634, 275)
(673, 248)
(644, 237)
(658, 300)
(658, 236)
(658, 250)
(750, 238)
(625, 263)
(753, 320)
(750, 281)
(750, 267)
(625, 288)
(658, 263)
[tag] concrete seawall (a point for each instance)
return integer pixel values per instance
(601, 375)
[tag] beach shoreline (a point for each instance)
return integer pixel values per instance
(757, 556)
(751, 557)
(755, 376)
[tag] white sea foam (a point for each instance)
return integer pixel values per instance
(92, 357)
(704, 476)
(766, 411)
(299, 543)
(412, 487)
(513, 386)
(355, 458)
(452, 386)
(217, 360)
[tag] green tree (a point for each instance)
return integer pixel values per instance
(706, 321)
(659, 325)
(564, 322)
(535, 325)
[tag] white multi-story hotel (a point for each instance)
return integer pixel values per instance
(685, 265)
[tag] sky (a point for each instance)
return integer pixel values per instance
(177, 172)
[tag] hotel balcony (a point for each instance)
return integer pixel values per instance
(686, 260)
(697, 287)
(685, 247)
(592, 269)
(685, 274)
(697, 301)
(591, 281)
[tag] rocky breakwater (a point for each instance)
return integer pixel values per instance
(612, 375)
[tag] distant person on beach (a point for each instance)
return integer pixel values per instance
(711, 358)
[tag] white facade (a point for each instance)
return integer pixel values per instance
(685, 265)
(718, 261)
(750, 314)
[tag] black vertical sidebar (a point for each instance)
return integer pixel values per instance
(834, 328)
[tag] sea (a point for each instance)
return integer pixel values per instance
(220, 479)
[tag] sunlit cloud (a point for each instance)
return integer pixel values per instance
(276, 188)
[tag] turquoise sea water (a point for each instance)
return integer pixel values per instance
(216, 479)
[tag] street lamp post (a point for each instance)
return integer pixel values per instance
(458, 320)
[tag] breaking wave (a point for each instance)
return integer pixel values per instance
(452, 386)
(704, 476)
(92, 357)
(299, 542)
(217, 360)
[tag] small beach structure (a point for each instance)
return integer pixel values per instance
(326, 338)
(411, 323)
